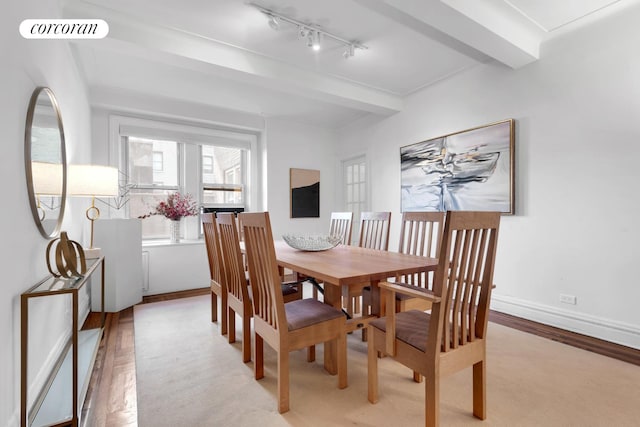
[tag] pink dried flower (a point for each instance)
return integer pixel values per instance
(175, 207)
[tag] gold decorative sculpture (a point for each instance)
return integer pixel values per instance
(69, 255)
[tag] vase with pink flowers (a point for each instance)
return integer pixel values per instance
(176, 207)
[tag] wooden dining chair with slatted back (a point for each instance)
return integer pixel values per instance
(374, 234)
(285, 327)
(453, 335)
(341, 224)
(237, 280)
(216, 270)
(421, 235)
(238, 300)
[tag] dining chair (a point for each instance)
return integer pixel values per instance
(238, 299)
(421, 235)
(216, 270)
(285, 327)
(453, 335)
(237, 280)
(341, 224)
(374, 234)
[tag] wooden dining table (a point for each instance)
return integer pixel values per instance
(347, 265)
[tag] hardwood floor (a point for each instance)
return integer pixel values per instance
(111, 399)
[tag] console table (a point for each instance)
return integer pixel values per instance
(60, 401)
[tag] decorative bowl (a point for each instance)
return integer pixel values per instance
(311, 242)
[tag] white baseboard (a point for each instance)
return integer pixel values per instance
(605, 329)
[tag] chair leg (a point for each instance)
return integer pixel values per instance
(372, 369)
(342, 360)
(214, 307)
(224, 308)
(258, 364)
(231, 325)
(246, 339)
(417, 377)
(432, 399)
(311, 353)
(283, 380)
(480, 390)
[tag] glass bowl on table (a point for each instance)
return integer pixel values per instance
(311, 242)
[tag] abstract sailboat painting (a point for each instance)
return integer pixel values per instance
(467, 170)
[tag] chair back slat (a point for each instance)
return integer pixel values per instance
(374, 230)
(234, 265)
(464, 279)
(421, 235)
(341, 225)
(214, 254)
(264, 277)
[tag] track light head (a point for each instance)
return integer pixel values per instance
(349, 51)
(274, 23)
(303, 32)
(315, 40)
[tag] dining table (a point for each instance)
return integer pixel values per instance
(346, 265)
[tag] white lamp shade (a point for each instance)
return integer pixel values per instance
(46, 178)
(92, 180)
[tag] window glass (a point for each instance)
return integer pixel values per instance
(223, 183)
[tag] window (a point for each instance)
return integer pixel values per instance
(214, 165)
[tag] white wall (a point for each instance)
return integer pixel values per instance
(301, 146)
(24, 66)
(577, 114)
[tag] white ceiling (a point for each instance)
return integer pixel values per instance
(224, 54)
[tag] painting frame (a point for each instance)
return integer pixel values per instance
(472, 169)
(304, 193)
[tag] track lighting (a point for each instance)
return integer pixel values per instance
(312, 34)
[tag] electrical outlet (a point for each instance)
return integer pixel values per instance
(568, 299)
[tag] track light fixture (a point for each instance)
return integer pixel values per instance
(311, 33)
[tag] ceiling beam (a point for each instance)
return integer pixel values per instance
(491, 27)
(235, 63)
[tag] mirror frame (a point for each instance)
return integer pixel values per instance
(27, 161)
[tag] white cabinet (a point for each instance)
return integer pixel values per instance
(121, 243)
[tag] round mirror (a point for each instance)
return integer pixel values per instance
(45, 162)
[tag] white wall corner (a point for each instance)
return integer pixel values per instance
(605, 329)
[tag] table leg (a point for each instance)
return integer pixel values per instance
(377, 303)
(332, 296)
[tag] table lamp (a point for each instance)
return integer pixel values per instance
(92, 181)
(47, 181)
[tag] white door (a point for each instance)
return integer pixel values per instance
(354, 178)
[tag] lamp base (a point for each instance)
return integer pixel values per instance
(90, 253)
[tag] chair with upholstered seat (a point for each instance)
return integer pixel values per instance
(238, 294)
(421, 235)
(285, 327)
(453, 336)
(374, 234)
(216, 270)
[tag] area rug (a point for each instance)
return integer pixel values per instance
(189, 375)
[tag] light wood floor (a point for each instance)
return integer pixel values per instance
(111, 399)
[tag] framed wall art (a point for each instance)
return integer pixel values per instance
(305, 193)
(467, 170)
